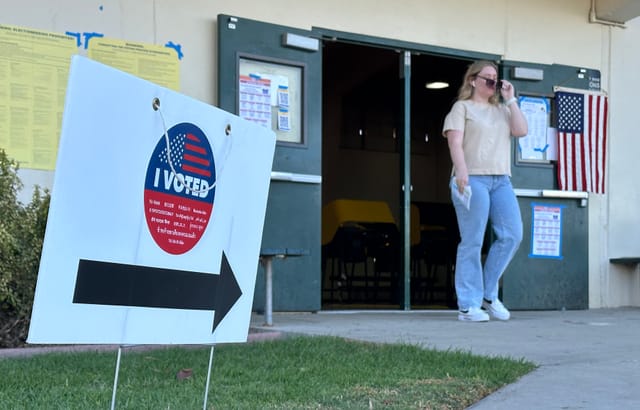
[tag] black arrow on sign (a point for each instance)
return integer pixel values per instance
(117, 284)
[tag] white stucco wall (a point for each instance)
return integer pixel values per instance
(517, 30)
(621, 284)
(543, 31)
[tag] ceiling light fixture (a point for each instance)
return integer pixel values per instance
(436, 85)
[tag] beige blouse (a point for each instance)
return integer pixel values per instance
(486, 141)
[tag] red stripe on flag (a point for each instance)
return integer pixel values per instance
(562, 156)
(197, 160)
(195, 170)
(193, 138)
(603, 144)
(585, 184)
(575, 148)
(195, 148)
(562, 174)
(594, 140)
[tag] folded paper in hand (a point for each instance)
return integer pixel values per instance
(464, 197)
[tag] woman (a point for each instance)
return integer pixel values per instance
(478, 130)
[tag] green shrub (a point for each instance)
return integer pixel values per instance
(21, 235)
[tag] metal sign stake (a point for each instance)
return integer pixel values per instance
(206, 389)
(115, 379)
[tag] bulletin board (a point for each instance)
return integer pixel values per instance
(540, 144)
(271, 93)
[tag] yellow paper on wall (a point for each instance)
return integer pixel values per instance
(34, 66)
(158, 64)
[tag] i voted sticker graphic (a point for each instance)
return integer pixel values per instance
(178, 205)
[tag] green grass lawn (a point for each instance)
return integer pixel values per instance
(289, 373)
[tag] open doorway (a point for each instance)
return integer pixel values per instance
(361, 173)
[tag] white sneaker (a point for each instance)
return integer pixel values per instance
(496, 309)
(473, 314)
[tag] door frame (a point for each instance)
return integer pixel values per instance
(406, 50)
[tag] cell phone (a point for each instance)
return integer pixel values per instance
(499, 85)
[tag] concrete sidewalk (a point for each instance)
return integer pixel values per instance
(588, 359)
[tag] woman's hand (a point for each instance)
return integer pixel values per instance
(462, 180)
(507, 91)
(517, 121)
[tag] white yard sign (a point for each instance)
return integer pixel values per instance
(144, 244)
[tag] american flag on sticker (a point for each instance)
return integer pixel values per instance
(582, 140)
(188, 154)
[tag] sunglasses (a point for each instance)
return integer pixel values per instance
(491, 82)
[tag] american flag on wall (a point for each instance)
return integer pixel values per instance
(582, 140)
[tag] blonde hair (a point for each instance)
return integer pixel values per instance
(466, 90)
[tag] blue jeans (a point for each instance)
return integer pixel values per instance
(492, 199)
